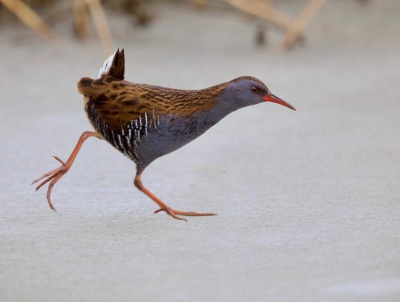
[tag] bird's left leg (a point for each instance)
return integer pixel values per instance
(56, 174)
(163, 206)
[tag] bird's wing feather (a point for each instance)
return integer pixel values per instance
(119, 101)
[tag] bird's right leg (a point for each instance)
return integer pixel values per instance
(56, 174)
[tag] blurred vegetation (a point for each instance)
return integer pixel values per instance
(50, 10)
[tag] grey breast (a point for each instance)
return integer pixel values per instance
(172, 133)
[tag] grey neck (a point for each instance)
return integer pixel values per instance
(225, 105)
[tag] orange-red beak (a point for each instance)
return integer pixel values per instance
(274, 99)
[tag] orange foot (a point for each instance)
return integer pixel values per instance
(53, 176)
(173, 213)
(56, 174)
(163, 206)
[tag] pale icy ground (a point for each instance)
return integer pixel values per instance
(308, 201)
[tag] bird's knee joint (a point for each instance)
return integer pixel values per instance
(138, 183)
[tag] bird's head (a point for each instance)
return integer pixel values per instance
(246, 91)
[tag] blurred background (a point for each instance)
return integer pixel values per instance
(308, 201)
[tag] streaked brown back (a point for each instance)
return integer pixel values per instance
(119, 102)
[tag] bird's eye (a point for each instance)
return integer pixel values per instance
(255, 89)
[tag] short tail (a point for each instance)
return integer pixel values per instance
(114, 66)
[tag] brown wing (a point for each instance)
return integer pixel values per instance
(119, 102)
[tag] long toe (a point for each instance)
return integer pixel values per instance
(176, 212)
(193, 213)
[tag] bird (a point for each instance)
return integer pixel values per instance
(145, 122)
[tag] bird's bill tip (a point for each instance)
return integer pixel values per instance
(274, 99)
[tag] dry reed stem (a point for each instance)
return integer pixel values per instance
(263, 10)
(301, 22)
(101, 24)
(31, 19)
(81, 19)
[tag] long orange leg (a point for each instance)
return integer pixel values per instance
(164, 207)
(56, 174)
